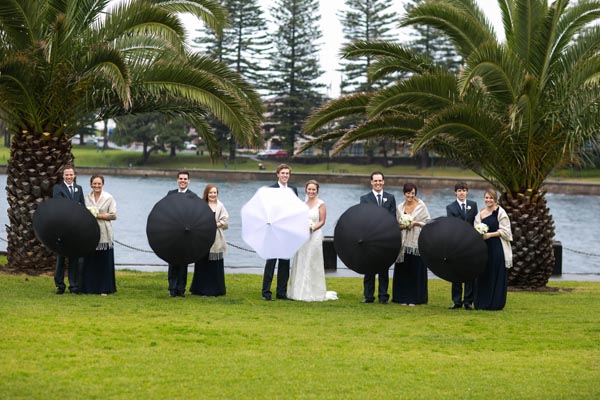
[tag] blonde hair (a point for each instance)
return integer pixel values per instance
(492, 192)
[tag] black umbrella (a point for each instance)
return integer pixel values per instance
(367, 238)
(66, 227)
(181, 228)
(452, 249)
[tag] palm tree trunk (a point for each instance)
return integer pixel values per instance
(33, 169)
(533, 236)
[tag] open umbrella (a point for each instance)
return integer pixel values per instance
(181, 228)
(66, 227)
(367, 238)
(452, 249)
(275, 223)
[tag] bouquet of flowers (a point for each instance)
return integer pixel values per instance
(405, 220)
(481, 228)
(311, 225)
(93, 210)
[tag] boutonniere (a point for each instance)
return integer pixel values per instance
(384, 199)
(468, 208)
(75, 189)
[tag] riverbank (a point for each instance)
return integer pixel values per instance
(564, 186)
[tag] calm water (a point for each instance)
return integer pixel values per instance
(574, 216)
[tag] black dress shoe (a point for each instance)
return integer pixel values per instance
(172, 293)
(367, 301)
(455, 307)
(283, 298)
(468, 307)
(267, 298)
(60, 290)
(383, 301)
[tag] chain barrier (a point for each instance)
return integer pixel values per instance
(581, 252)
(241, 248)
(133, 248)
(252, 251)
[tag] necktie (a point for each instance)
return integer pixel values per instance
(379, 200)
(464, 211)
(71, 190)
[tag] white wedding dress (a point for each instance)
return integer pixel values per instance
(307, 276)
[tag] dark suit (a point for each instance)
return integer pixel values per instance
(283, 270)
(453, 210)
(389, 203)
(74, 263)
(177, 273)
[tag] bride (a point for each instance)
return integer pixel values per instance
(307, 280)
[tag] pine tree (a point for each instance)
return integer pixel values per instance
(430, 42)
(365, 20)
(295, 66)
(242, 46)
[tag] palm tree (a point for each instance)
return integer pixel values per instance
(65, 64)
(516, 111)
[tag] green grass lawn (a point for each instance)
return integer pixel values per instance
(139, 343)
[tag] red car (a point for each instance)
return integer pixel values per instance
(280, 153)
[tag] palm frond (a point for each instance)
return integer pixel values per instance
(398, 126)
(344, 106)
(500, 71)
(460, 20)
(212, 12)
(429, 91)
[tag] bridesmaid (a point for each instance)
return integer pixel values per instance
(209, 273)
(98, 275)
(491, 285)
(409, 286)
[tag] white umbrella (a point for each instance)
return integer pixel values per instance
(275, 223)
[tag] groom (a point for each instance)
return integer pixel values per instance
(386, 200)
(283, 271)
(465, 210)
(68, 189)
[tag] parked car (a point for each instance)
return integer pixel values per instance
(280, 153)
(190, 146)
(266, 153)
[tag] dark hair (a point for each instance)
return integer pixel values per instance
(68, 166)
(377, 173)
(409, 187)
(461, 185)
(96, 176)
(207, 189)
(313, 182)
(183, 172)
(283, 166)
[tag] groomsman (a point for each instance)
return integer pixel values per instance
(177, 273)
(68, 189)
(465, 210)
(283, 270)
(386, 200)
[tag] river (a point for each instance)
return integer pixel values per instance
(574, 217)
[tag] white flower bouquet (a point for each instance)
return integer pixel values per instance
(405, 220)
(481, 228)
(93, 210)
(311, 225)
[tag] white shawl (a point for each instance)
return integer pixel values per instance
(505, 235)
(410, 237)
(222, 218)
(105, 205)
